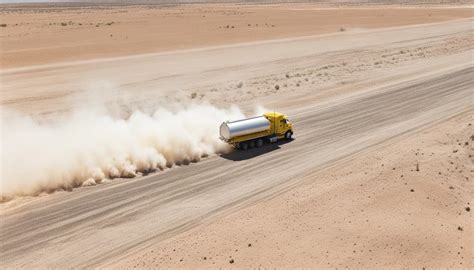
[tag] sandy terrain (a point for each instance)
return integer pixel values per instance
(38, 35)
(247, 76)
(338, 195)
(374, 209)
(153, 208)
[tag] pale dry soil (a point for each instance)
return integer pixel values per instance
(44, 34)
(269, 73)
(119, 220)
(357, 99)
(404, 203)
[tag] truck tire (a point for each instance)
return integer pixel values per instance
(244, 146)
(288, 135)
(252, 144)
(259, 143)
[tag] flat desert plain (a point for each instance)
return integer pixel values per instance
(47, 34)
(110, 149)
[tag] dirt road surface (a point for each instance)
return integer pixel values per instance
(96, 226)
(345, 92)
(173, 76)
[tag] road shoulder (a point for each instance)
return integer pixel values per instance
(404, 203)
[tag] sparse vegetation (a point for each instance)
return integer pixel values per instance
(216, 75)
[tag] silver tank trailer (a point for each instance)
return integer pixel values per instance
(229, 130)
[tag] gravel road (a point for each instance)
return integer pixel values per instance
(95, 226)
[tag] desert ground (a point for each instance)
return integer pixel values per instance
(49, 34)
(379, 173)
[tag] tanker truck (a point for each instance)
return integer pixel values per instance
(254, 132)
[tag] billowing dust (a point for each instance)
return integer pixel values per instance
(89, 147)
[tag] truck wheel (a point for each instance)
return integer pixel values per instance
(259, 143)
(251, 144)
(244, 146)
(288, 135)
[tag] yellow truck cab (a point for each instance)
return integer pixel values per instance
(253, 132)
(282, 127)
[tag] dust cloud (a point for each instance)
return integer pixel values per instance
(89, 147)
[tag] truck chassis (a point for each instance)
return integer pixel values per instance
(260, 141)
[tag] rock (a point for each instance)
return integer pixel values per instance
(231, 261)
